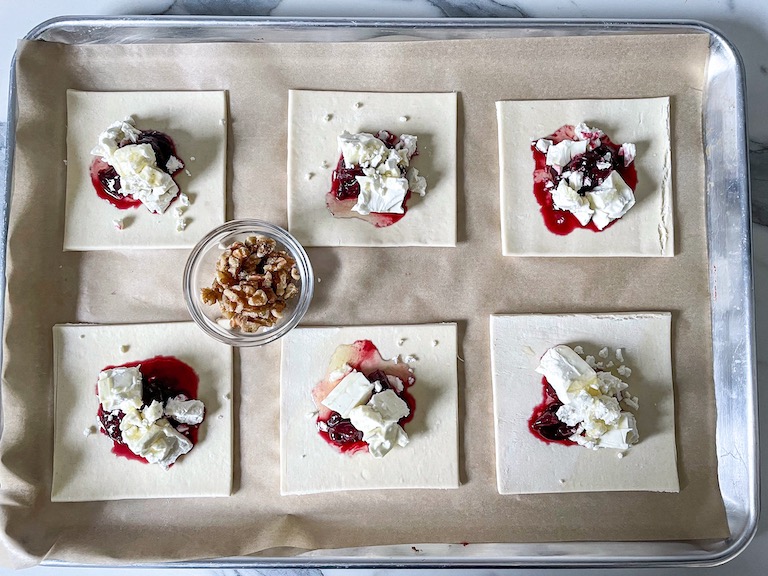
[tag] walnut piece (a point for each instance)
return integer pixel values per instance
(253, 282)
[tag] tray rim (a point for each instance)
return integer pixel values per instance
(708, 553)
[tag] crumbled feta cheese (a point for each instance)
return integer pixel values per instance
(624, 371)
(590, 399)
(578, 350)
(357, 104)
(395, 383)
(403, 118)
(118, 224)
(352, 390)
(174, 164)
(328, 117)
(187, 172)
(181, 224)
(411, 358)
(603, 352)
(435, 343)
(619, 355)
(178, 211)
(184, 200)
(310, 175)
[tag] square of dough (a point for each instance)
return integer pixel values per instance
(646, 230)
(84, 467)
(197, 123)
(312, 144)
(527, 465)
(308, 464)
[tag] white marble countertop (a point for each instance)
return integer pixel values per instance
(744, 22)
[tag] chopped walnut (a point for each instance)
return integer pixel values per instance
(253, 282)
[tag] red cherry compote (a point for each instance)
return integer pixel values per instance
(544, 423)
(163, 377)
(364, 357)
(562, 222)
(345, 189)
(106, 181)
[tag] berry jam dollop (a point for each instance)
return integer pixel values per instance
(345, 188)
(163, 378)
(595, 164)
(106, 180)
(361, 356)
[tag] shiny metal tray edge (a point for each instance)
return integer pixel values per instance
(730, 273)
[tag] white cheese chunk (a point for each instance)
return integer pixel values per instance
(116, 133)
(153, 412)
(141, 178)
(362, 149)
(563, 152)
(365, 418)
(622, 435)
(382, 440)
(542, 145)
(378, 421)
(407, 144)
(120, 388)
(610, 199)
(158, 443)
(416, 183)
(566, 198)
(391, 407)
(380, 194)
(185, 411)
(566, 372)
(353, 390)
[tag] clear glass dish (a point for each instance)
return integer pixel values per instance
(200, 272)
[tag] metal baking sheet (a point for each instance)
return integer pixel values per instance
(730, 269)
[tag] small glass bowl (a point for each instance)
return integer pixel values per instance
(200, 272)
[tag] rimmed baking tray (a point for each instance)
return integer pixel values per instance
(730, 273)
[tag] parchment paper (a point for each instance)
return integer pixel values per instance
(464, 284)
